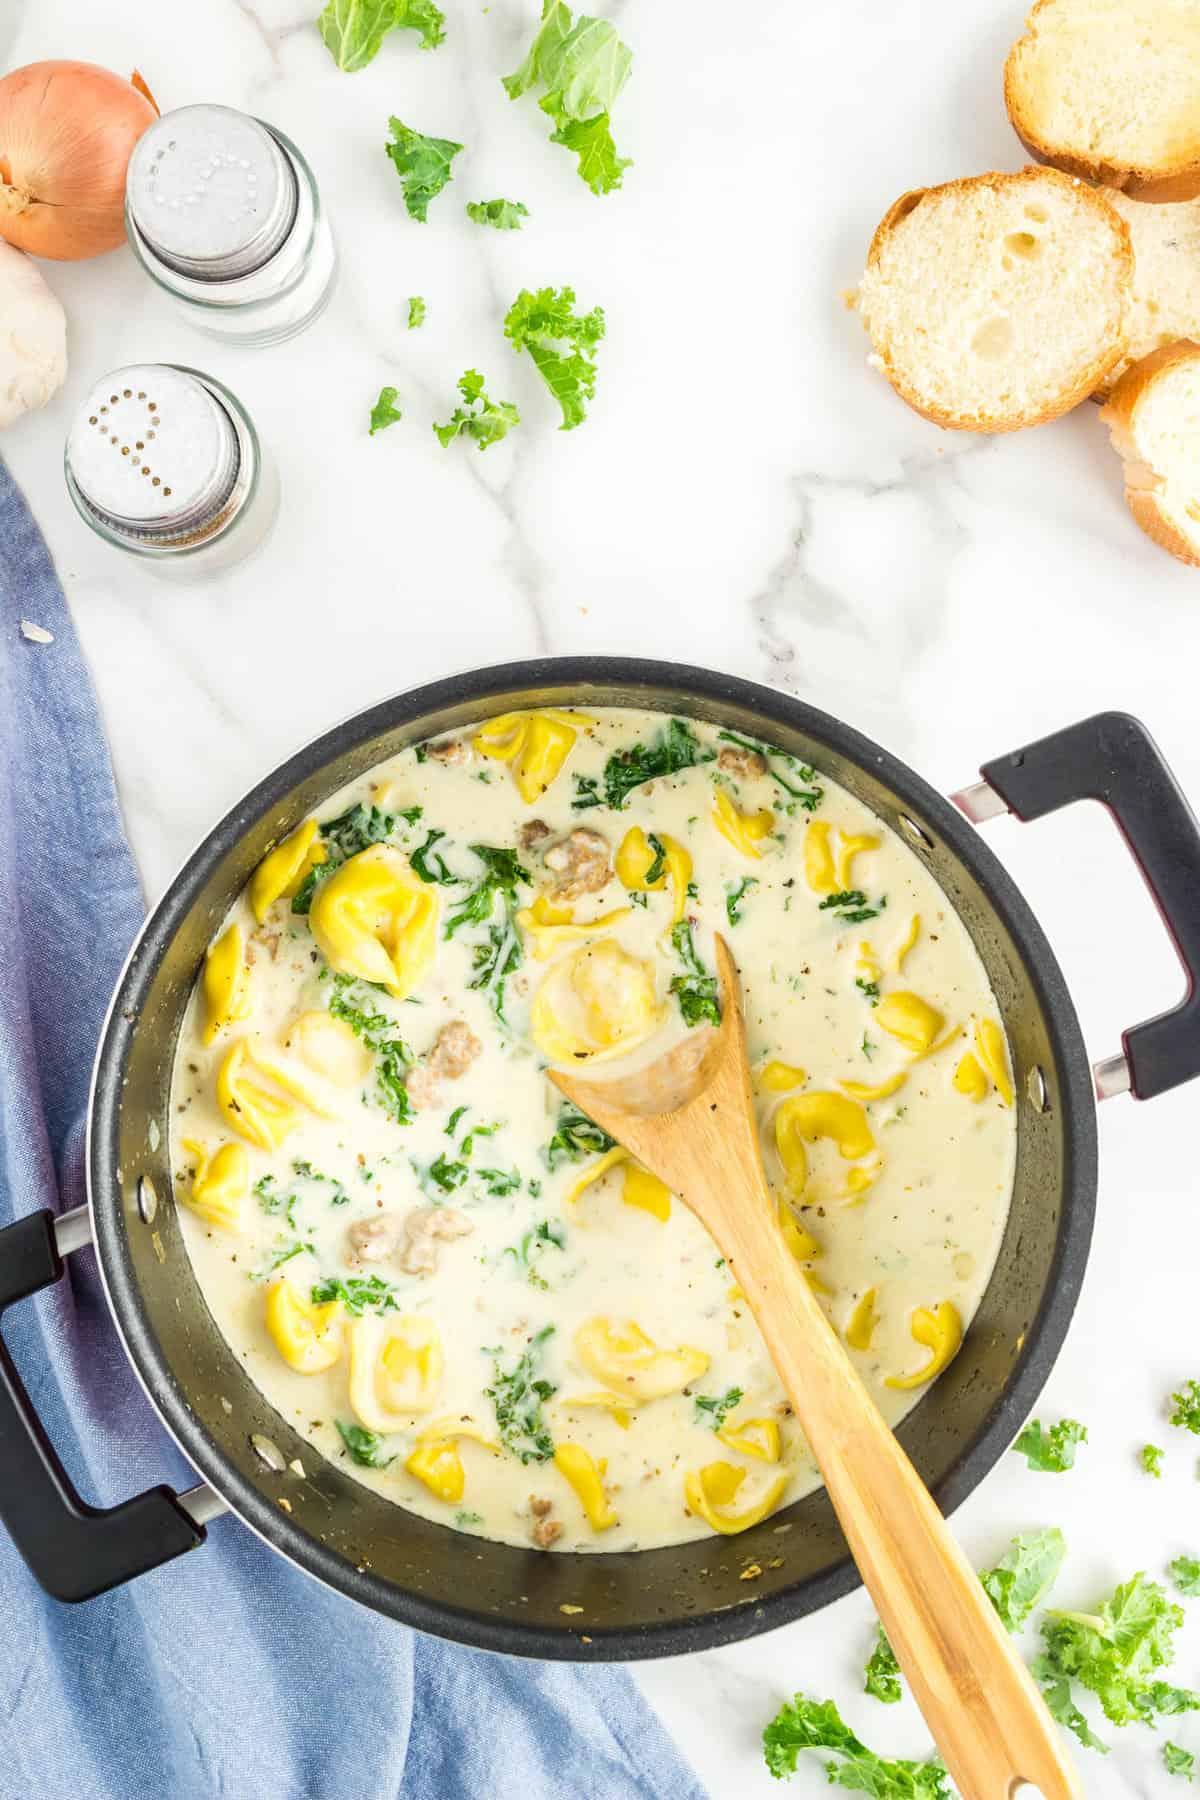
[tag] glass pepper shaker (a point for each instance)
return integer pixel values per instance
(224, 214)
(164, 462)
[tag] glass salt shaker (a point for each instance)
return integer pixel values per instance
(165, 462)
(224, 214)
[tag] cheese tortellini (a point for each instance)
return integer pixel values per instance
(620, 1354)
(535, 745)
(711, 1492)
(306, 1334)
(941, 1332)
(598, 1002)
(220, 1184)
(373, 919)
(280, 874)
(226, 983)
(396, 1369)
(646, 867)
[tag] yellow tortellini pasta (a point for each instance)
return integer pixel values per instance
(860, 1327)
(597, 1002)
(640, 1188)
(535, 744)
(646, 1192)
(619, 1409)
(257, 1113)
(632, 1364)
(852, 844)
(777, 1077)
(993, 1054)
(226, 983)
(879, 1090)
(819, 870)
(373, 919)
(745, 831)
(799, 1240)
(396, 1368)
(549, 925)
(437, 1462)
(823, 873)
(806, 1118)
(908, 942)
(587, 1478)
(220, 1184)
(754, 1437)
(970, 1079)
(281, 874)
(711, 1491)
(307, 1336)
(329, 1047)
(941, 1332)
(636, 857)
(911, 1021)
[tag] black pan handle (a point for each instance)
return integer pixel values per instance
(1112, 758)
(76, 1551)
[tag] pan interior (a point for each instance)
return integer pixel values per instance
(507, 1598)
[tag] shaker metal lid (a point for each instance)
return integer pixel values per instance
(211, 192)
(153, 454)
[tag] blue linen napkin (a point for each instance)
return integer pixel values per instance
(228, 1672)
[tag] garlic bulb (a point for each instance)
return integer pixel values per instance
(33, 337)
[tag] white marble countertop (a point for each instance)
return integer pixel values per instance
(746, 494)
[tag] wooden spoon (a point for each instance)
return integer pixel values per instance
(689, 1118)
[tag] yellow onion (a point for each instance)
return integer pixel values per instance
(67, 131)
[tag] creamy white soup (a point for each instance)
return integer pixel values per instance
(454, 1285)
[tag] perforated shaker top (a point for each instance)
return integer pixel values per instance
(211, 192)
(153, 453)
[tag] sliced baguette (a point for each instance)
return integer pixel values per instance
(1154, 420)
(1166, 277)
(999, 301)
(1109, 89)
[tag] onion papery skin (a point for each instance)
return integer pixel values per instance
(67, 130)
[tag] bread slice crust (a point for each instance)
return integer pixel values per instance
(1091, 371)
(1145, 486)
(1174, 175)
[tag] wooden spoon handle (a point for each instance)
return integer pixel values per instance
(977, 1696)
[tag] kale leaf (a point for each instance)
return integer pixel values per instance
(422, 163)
(417, 310)
(1187, 1406)
(804, 1724)
(712, 1409)
(581, 67)
(883, 1671)
(532, 1247)
(353, 30)
(358, 1293)
(518, 1394)
(504, 215)
(676, 747)
(490, 420)
(542, 323)
(575, 1136)
(385, 412)
(1050, 1450)
(393, 1058)
(696, 989)
(734, 897)
(364, 1446)
(1114, 1652)
(1185, 1572)
(1024, 1575)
